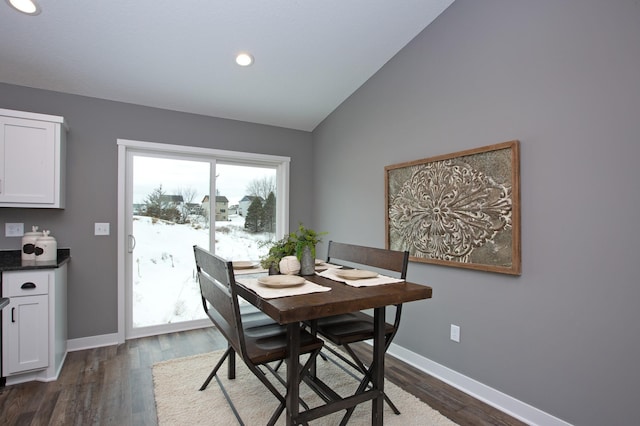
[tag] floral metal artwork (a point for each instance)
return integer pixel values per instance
(460, 209)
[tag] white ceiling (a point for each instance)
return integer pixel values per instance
(179, 55)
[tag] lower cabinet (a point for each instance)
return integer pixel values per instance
(27, 340)
(34, 324)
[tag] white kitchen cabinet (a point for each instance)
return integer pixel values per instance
(27, 334)
(34, 324)
(32, 160)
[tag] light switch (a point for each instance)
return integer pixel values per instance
(102, 229)
(13, 229)
(455, 333)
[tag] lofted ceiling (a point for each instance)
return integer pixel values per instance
(180, 55)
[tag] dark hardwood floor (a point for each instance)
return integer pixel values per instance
(113, 386)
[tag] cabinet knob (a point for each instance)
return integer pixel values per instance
(28, 286)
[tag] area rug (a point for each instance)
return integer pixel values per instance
(179, 402)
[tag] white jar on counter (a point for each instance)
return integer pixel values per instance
(29, 244)
(46, 248)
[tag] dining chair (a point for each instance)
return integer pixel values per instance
(343, 330)
(251, 318)
(257, 345)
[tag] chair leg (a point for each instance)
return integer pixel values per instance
(341, 356)
(215, 369)
(363, 385)
(392, 405)
(355, 358)
(278, 364)
(263, 378)
(276, 414)
(367, 379)
(231, 365)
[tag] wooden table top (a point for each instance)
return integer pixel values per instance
(341, 299)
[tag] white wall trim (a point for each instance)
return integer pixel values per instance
(220, 154)
(91, 342)
(516, 408)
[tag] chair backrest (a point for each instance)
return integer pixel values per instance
(219, 298)
(389, 260)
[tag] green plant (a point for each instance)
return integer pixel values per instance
(278, 250)
(305, 237)
(291, 245)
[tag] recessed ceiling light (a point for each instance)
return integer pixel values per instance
(244, 59)
(30, 7)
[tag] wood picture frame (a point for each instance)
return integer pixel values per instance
(460, 209)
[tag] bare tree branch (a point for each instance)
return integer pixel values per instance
(261, 187)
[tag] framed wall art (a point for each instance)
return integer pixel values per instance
(460, 209)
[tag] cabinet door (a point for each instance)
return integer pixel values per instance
(27, 161)
(25, 332)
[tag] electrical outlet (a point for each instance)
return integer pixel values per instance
(455, 333)
(13, 229)
(101, 229)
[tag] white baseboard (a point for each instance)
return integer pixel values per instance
(47, 375)
(505, 403)
(92, 342)
(117, 338)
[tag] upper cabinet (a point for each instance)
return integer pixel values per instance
(32, 160)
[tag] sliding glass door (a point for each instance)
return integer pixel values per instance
(225, 202)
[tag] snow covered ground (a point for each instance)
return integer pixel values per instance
(165, 289)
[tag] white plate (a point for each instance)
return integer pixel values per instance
(243, 264)
(355, 274)
(281, 280)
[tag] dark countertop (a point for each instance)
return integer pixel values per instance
(3, 302)
(11, 260)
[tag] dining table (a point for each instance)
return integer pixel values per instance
(335, 298)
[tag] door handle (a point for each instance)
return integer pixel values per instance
(13, 311)
(28, 286)
(132, 243)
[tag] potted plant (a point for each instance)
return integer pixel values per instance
(305, 241)
(301, 244)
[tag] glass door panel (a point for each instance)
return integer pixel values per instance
(168, 219)
(241, 227)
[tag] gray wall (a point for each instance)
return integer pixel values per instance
(560, 76)
(563, 77)
(95, 125)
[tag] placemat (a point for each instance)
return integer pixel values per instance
(272, 293)
(379, 280)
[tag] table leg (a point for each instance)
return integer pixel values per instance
(378, 365)
(314, 332)
(293, 372)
